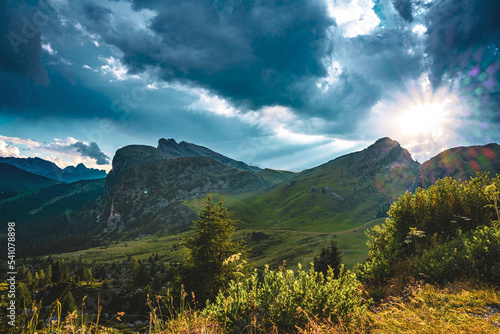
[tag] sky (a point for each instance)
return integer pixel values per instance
(278, 84)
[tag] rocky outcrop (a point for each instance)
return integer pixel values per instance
(172, 149)
(147, 185)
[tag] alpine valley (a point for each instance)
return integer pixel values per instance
(151, 196)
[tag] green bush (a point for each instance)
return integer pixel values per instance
(445, 232)
(285, 299)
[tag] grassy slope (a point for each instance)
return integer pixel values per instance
(293, 246)
(337, 196)
(276, 176)
(16, 179)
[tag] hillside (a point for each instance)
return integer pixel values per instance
(56, 218)
(339, 195)
(460, 163)
(276, 176)
(18, 180)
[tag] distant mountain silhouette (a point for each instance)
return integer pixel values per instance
(16, 179)
(52, 171)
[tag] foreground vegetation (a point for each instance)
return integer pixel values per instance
(432, 268)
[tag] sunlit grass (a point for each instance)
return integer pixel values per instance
(459, 308)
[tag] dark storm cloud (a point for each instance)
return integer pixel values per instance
(404, 9)
(20, 37)
(265, 53)
(385, 56)
(459, 28)
(249, 51)
(96, 13)
(463, 43)
(92, 151)
(61, 98)
(31, 84)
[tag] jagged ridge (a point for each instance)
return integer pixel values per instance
(173, 150)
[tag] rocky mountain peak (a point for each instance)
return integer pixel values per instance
(390, 150)
(172, 150)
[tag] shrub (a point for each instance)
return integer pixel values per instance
(286, 300)
(446, 232)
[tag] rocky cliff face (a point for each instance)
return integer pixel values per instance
(147, 185)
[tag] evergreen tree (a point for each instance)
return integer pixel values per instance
(48, 276)
(209, 245)
(65, 274)
(29, 279)
(36, 280)
(82, 273)
(90, 275)
(23, 303)
(57, 272)
(157, 283)
(330, 256)
(141, 275)
(23, 272)
(43, 278)
(68, 303)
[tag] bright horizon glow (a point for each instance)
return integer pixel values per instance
(422, 120)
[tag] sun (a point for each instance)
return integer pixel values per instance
(423, 120)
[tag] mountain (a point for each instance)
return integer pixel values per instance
(150, 191)
(33, 165)
(173, 150)
(52, 171)
(340, 194)
(145, 189)
(460, 163)
(18, 180)
(80, 172)
(56, 218)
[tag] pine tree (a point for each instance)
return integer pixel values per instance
(207, 248)
(43, 278)
(65, 274)
(57, 272)
(29, 280)
(330, 256)
(36, 280)
(68, 303)
(48, 276)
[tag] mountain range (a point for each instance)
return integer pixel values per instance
(50, 170)
(155, 190)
